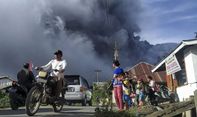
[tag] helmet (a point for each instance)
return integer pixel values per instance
(26, 65)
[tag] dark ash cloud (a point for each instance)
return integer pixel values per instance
(84, 29)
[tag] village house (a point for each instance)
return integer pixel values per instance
(143, 69)
(5, 82)
(181, 69)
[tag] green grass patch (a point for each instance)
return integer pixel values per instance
(4, 100)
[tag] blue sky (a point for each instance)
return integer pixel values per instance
(168, 20)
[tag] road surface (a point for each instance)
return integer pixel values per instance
(47, 111)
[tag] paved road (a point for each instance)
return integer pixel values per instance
(47, 111)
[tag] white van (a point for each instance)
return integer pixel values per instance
(78, 90)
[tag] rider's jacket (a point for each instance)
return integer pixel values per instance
(55, 64)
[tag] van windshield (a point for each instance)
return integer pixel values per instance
(73, 81)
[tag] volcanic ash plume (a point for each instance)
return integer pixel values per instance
(84, 29)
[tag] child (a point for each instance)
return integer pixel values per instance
(127, 93)
(140, 93)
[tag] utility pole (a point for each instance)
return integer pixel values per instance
(97, 71)
(116, 51)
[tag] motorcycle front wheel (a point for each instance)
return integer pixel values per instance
(57, 107)
(33, 101)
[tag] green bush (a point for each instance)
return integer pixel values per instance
(102, 92)
(4, 99)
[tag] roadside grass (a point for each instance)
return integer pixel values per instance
(126, 113)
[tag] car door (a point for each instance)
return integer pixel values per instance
(88, 93)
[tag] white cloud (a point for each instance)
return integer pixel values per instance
(153, 1)
(179, 8)
(162, 22)
(157, 37)
(182, 18)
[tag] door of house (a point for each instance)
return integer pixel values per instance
(171, 83)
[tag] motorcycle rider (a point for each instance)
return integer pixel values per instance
(26, 77)
(19, 90)
(57, 75)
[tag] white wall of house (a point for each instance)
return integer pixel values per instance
(190, 58)
(184, 92)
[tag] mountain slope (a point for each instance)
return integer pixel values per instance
(159, 51)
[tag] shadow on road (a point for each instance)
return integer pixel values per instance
(48, 112)
(71, 114)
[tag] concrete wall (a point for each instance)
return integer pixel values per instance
(190, 58)
(184, 92)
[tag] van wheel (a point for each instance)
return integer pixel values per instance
(84, 101)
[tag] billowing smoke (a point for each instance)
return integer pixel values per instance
(31, 30)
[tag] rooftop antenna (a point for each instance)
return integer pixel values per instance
(108, 20)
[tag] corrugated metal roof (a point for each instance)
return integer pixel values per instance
(142, 70)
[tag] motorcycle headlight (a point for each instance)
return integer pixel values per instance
(42, 74)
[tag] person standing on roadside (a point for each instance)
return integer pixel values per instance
(117, 84)
(151, 90)
(127, 93)
(140, 93)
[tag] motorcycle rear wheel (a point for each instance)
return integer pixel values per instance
(33, 101)
(57, 107)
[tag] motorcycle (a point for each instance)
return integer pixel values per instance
(42, 93)
(17, 95)
(163, 95)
